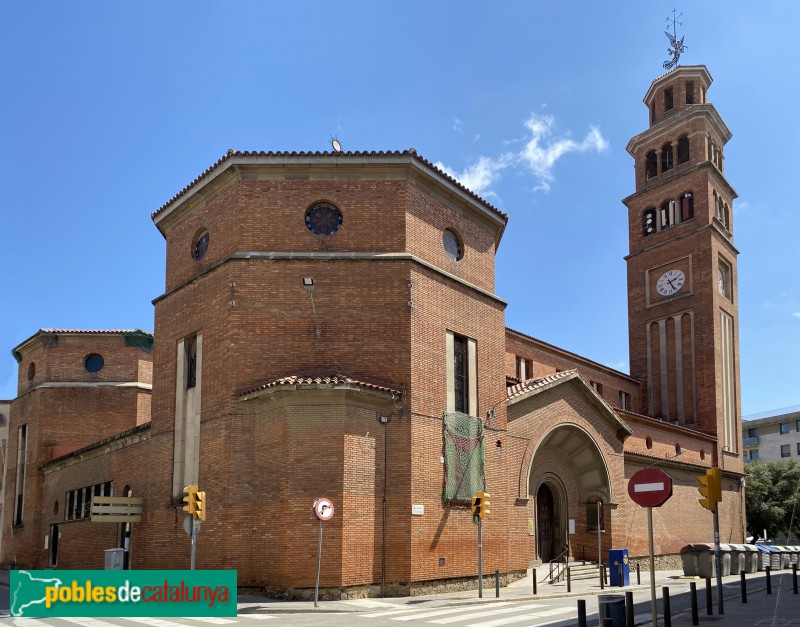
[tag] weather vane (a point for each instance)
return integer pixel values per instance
(676, 47)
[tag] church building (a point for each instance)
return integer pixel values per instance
(329, 327)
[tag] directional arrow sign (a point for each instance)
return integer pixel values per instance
(650, 487)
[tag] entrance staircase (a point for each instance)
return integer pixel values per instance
(578, 569)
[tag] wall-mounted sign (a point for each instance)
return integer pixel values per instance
(417, 509)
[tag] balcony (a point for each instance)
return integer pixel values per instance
(750, 442)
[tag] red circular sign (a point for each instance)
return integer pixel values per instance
(650, 487)
(323, 509)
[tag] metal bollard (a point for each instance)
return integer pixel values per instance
(769, 581)
(581, 613)
(744, 588)
(619, 574)
(497, 584)
(569, 581)
(629, 620)
(602, 578)
(794, 578)
(667, 612)
(638, 575)
(534, 581)
(693, 595)
(709, 600)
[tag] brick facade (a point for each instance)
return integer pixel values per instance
(341, 392)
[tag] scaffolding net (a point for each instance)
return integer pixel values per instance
(464, 464)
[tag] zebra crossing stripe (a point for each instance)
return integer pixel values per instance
(518, 619)
(505, 610)
(88, 622)
(452, 610)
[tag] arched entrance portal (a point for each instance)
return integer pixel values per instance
(567, 472)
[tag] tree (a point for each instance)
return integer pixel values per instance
(773, 498)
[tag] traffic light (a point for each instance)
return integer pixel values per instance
(476, 506)
(191, 500)
(200, 505)
(480, 505)
(711, 489)
(484, 507)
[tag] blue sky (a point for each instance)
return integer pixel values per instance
(110, 108)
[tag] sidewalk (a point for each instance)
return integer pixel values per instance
(779, 608)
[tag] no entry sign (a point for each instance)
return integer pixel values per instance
(323, 509)
(650, 487)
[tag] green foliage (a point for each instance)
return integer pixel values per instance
(773, 498)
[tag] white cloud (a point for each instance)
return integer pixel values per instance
(457, 125)
(796, 314)
(539, 155)
(481, 174)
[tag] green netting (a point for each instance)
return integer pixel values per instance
(464, 463)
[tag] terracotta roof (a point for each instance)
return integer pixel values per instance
(531, 384)
(330, 379)
(82, 332)
(411, 152)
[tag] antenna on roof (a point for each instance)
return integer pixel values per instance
(336, 144)
(676, 47)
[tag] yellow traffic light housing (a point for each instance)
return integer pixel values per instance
(711, 489)
(191, 500)
(484, 506)
(200, 505)
(480, 505)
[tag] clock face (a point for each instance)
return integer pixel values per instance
(670, 282)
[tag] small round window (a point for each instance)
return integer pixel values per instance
(31, 371)
(323, 219)
(94, 363)
(200, 246)
(452, 245)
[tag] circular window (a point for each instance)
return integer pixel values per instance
(94, 363)
(452, 245)
(323, 219)
(31, 371)
(200, 246)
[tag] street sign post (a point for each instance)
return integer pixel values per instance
(650, 487)
(323, 510)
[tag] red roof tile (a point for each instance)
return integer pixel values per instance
(304, 154)
(532, 384)
(331, 379)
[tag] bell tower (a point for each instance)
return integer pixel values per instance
(682, 296)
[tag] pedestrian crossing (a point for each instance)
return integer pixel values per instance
(196, 621)
(494, 614)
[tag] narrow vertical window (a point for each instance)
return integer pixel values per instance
(652, 113)
(461, 372)
(687, 206)
(689, 92)
(666, 157)
(668, 104)
(624, 400)
(22, 455)
(683, 149)
(651, 165)
(191, 362)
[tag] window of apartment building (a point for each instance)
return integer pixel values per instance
(784, 428)
(22, 455)
(797, 426)
(752, 433)
(462, 381)
(753, 454)
(798, 448)
(624, 400)
(524, 369)
(785, 450)
(79, 502)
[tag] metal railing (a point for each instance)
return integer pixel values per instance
(558, 566)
